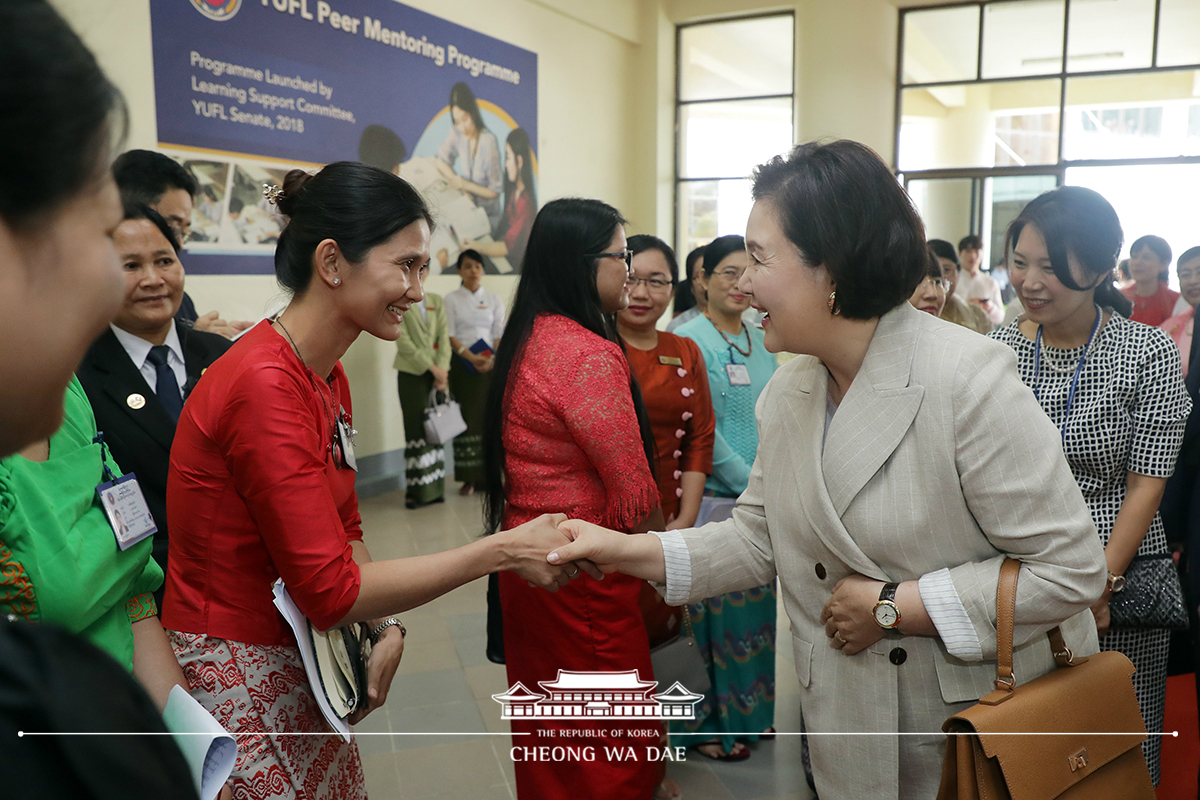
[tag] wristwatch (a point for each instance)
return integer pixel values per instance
(378, 630)
(1115, 583)
(887, 614)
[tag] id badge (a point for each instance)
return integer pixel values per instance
(346, 440)
(126, 509)
(738, 374)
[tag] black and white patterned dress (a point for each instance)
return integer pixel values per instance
(1128, 416)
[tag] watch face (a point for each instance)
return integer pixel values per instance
(886, 615)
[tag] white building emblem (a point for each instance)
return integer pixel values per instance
(587, 695)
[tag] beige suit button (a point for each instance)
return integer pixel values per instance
(898, 656)
(820, 572)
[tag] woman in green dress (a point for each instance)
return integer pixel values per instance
(422, 366)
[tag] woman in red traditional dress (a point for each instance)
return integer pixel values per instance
(566, 431)
(261, 487)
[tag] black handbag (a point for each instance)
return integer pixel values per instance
(1152, 598)
(680, 661)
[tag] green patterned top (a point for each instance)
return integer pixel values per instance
(59, 560)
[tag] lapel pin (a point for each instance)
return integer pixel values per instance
(135, 401)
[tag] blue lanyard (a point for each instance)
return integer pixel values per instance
(1037, 372)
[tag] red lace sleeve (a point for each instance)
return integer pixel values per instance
(597, 409)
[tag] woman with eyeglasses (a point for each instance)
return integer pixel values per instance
(566, 430)
(930, 294)
(736, 631)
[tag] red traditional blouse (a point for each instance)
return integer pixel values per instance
(1155, 309)
(571, 436)
(254, 493)
(674, 384)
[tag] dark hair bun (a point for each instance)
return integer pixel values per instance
(293, 184)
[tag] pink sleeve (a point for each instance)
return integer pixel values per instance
(275, 449)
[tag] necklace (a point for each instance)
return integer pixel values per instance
(749, 339)
(312, 382)
(1037, 372)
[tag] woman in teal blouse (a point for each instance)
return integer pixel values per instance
(735, 631)
(59, 559)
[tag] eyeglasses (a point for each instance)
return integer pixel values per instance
(731, 275)
(654, 284)
(624, 255)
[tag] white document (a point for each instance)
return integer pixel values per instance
(421, 172)
(299, 625)
(468, 220)
(208, 748)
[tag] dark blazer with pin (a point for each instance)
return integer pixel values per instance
(140, 438)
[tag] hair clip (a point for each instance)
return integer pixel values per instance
(272, 193)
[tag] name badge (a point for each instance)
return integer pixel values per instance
(126, 509)
(670, 361)
(738, 374)
(346, 440)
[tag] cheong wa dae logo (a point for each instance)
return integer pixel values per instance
(220, 10)
(588, 695)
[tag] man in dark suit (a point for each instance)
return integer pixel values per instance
(139, 371)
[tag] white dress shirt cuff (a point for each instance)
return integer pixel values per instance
(949, 615)
(678, 567)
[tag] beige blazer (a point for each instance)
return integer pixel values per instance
(424, 343)
(938, 457)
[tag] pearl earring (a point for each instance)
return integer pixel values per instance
(337, 281)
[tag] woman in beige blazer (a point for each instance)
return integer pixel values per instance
(422, 365)
(900, 460)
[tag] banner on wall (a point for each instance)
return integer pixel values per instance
(247, 89)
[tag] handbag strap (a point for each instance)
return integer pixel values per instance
(1006, 613)
(687, 621)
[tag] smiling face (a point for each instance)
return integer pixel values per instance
(721, 286)
(648, 302)
(794, 295)
(1145, 267)
(153, 280)
(376, 293)
(1047, 302)
(612, 274)
(1189, 280)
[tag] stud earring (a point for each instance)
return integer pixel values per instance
(833, 309)
(337, 281)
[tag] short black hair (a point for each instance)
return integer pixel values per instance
(236, 205)
(843, 209)
(1187, 255)
(381, 147)
(934, 269)
(719, 249)
(144, 176)
(57, 126)
(474, 255)
(143, 211)
(642, 242)
(970, 242)
(943, 249)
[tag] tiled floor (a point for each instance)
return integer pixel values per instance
(440, 734)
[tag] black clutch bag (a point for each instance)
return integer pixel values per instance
(1152, 598)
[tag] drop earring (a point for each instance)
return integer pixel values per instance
(833, 309)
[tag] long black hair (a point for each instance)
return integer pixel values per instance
(462, 97)
(558, 277)
(518, 140)
(1080, 222)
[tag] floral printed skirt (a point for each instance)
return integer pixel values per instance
(257, 692)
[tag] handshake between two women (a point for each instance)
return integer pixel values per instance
(552, 550)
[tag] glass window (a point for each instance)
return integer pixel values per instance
(1116, 34)
(1023, 37)
(1145, 115)
(1178, 33)
(1172, 215)
(708, 209)
(941, 44)
(759, 129)
(980, 125)
(1003, 199)
(945, 206)
(738, 58)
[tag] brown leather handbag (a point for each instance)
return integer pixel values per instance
(1073, 734)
